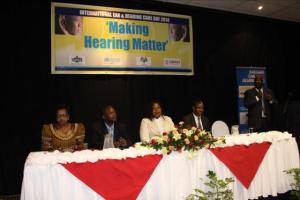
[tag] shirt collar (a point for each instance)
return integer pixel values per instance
(109, 126)
(261, 89)
(195, 116)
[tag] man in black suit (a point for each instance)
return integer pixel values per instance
(108, 126)
(196, 118)
(260, 103)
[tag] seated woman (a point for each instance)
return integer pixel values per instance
(63, 135)
(155, 124)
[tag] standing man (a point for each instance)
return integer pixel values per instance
(108, 133)
(260, 103)
(196, 118)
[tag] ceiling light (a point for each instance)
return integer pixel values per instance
(260, 7)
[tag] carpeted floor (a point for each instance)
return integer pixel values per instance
(10, 197)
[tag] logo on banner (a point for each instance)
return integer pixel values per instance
(78, 60)
(172, 62)
(111, 60)
(143, 61)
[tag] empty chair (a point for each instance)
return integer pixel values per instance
(219, 128)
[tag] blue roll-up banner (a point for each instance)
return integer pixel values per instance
(245, 80)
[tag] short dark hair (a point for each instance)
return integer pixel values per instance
(195, 103)
(107, 107)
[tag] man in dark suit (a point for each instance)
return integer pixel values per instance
(260, 103)
(108, 126)
(196, 118)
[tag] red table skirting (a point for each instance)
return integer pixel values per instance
(116, 179)
(243, 161)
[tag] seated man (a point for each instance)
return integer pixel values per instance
(196, 118)
(108, 132)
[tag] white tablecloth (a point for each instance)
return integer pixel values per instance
(174, 178)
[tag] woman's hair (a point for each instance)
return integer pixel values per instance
(62, 107)
(150, 115)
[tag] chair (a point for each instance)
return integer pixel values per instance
(219, 128)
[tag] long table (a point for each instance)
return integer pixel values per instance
(257, 168)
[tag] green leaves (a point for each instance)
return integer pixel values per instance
(218, 189)
(295, 172)
(180, 139)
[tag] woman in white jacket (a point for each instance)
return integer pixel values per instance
(156, 124)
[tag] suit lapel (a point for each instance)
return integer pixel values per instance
(203, 120)
(103, 127)
(194, 124)
(102, 132)
(116, 131)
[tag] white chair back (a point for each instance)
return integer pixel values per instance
(219, 128)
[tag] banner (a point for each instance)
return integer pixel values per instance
(245, 80)
(103, 40)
